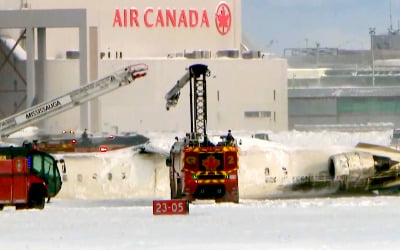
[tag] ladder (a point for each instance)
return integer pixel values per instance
(119, 78)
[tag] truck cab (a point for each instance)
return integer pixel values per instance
(28, 177)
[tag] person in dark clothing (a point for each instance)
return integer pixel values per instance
(85, 135)
(229, 138)
(207, 142)
(85, 141)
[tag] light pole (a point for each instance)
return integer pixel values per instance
(317, 54)
(372, 34)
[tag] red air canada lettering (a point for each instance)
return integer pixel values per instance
(153, 18)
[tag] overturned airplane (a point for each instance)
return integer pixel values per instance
(369, 169)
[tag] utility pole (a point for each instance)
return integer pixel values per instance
(372, 34)
(317, 54)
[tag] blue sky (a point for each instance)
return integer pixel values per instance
(277, 24)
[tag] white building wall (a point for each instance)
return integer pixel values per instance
(155, 38)
(61, 77)
(235, 86)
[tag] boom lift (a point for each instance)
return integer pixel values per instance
(72, 99)
(198, 168)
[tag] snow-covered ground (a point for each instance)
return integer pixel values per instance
(342, 223)
(106, 203)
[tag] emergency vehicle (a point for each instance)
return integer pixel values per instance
(200, 169)
(28, 177)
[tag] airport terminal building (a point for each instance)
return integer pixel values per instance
(48, 48)
(331, 88)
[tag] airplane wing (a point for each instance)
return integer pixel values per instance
(379, 150)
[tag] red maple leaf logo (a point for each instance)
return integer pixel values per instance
(211, 163)
(223, 18)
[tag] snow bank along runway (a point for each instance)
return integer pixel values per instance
(264, 165)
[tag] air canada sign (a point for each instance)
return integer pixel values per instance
(175, 18)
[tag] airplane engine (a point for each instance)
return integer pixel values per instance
(352, 170)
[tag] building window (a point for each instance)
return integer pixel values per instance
(368, 105)
(257, 114)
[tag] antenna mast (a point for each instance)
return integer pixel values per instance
(390, 16)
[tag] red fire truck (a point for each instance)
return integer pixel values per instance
(204, 172)
(28, 177)
(200, 169)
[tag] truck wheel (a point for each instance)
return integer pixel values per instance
(189, 198)
(179, 193)
(173, 189)
(235, 197)
(21, 206)
(229, 197)
(1, 207)
(176, 189)
(36, 198)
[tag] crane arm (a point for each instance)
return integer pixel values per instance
(47, 109)
(196, 75)
(172, 96)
